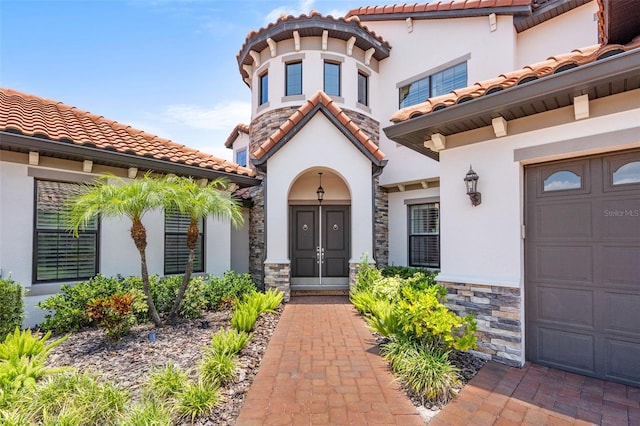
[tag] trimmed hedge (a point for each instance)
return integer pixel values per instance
(12, 302)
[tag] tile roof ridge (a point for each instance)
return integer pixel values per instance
(239, 128)
(577, 57)
(434, 6)
(319, 97)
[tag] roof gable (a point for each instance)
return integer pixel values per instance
(235, 134)
(59, 124)
(322, 102)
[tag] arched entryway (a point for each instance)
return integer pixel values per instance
(319, 231)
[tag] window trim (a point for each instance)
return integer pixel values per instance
(286, 78)
(34, 244)
(263, 100)
(324, 77)
(420, 202)
(202, 242)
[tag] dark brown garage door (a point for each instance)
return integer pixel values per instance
(582, 268)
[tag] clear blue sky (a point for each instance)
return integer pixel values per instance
(164, 66)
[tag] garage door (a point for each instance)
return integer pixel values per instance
(582, 265)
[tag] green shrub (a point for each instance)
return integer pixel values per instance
(423, 315)
(218, 368)
(263, 302)
(12, 302)
(230, 286)
(198, 399)
(244, 317)
(367, 274)
(405, 271)
(384, 318)
(73, 397)
(165, 290)
(23, 358)
(113, 313)
(388, 288)
(67, 308)
(150, 412)
(229, 341)
(166, 382)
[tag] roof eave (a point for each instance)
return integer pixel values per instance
(47, 146)
(445, 14)
(412, 133)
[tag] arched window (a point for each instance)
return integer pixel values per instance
(562, 180)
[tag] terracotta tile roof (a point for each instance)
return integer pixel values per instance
(240, 128)
(306, 24)
(508, 80)
(319, 98)
(31, 115)
(435, 6)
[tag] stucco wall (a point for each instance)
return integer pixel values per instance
(118, 254)
(240, 245)
(333, 152)
(571, 30)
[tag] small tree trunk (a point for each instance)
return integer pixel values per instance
(139, 235)
(192, 240)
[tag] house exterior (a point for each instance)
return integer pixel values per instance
(363, 131)
(323, 92)
(46, 149)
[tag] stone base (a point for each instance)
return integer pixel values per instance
(278, 276)
(497, 310)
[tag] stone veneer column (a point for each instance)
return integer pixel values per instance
(278, 276)
(381, 223)
(256, 236)
(497, 311)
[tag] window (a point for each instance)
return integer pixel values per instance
(629, 173)
(562, 180)
(175, 244)
(57, 254)
(293, 81)
(241, 158)
(363, 89)
(434, 85)
(332, 78)
(264, 89)
(424, 235)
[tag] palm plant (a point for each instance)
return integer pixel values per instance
(197, 201)
(131, 199)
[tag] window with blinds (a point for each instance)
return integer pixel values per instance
(424, 235)
(436, 84)
(57, 254)
(176, 251)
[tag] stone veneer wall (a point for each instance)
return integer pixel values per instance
(497, 311)
(256, 236)
(381, 221)
(278, 276)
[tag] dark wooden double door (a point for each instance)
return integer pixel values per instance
(320, 242)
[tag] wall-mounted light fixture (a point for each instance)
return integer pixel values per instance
(320, 190)
(471, 180)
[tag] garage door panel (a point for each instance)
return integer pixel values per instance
(622, 362)
(621, 265)
(621, 219)
(553, 346)
(570, 220)
(564, 262)
(622, 313)
(582, 265)
(565, 306)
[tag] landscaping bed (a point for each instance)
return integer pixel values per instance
(129, 361)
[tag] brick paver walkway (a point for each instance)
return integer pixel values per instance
(322, 367)
(538, 395)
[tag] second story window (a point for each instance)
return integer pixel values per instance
(433, 85)
(332, 78)
(293, 82)
(264, 89)
(241, 157)
(363, 89)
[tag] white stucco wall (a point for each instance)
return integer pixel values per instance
(318, 145)
(571, 30)
(398, 226)
(240, 245)
(117, 255)
(483, 244)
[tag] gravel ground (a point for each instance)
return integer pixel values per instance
(129, 361)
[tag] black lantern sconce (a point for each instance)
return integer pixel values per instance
(320, 190)
(471, 180)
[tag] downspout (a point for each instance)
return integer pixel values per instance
(377, 171)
